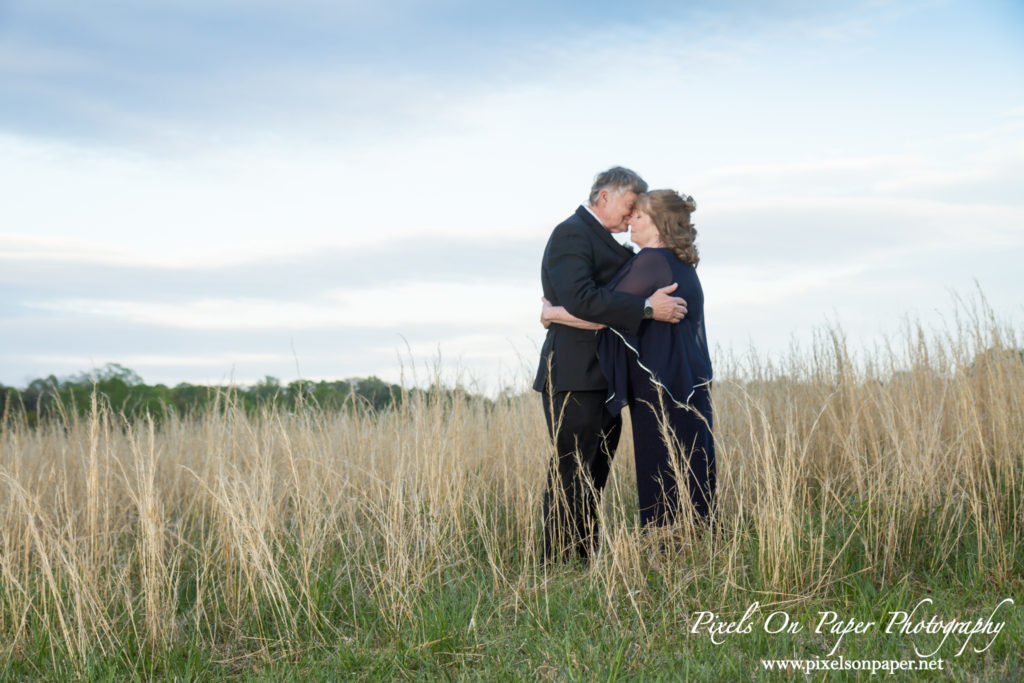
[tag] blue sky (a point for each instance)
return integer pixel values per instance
(215, 190)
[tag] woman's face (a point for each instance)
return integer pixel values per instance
(642, 231)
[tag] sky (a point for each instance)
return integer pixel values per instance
(219, 191)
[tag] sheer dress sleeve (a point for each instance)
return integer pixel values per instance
(647, 272)
(673, 356)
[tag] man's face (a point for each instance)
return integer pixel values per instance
(615, 209)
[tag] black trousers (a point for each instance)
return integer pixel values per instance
(585, 435)
(670, 442)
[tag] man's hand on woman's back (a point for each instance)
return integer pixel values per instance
(669, 309)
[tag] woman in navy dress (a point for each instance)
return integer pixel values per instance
(664, 372)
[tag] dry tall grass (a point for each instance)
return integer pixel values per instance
(258, 535)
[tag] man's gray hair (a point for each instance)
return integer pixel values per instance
(616, 180)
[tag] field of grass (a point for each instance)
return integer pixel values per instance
(316, 545)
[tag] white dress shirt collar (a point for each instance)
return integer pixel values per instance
(599, 221)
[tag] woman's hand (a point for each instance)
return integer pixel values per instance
(545, 313)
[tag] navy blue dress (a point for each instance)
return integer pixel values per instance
(664, 371)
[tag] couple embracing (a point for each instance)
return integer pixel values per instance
(624, 328)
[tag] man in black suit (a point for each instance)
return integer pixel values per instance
(580, 257)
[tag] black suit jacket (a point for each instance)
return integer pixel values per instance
(580, 257)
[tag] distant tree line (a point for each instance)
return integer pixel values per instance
(126, 394)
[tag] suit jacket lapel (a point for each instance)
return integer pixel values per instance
(602, 233)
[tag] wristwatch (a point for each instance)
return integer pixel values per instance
(648, 309)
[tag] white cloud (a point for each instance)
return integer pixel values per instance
(819, 152)
(17, 247)
(376, 307)
(727, 286)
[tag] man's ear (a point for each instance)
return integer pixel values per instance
(602, 198)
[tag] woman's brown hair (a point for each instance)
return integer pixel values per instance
(670, 212)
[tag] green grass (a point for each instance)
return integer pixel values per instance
(568, 624)
(404, 543)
